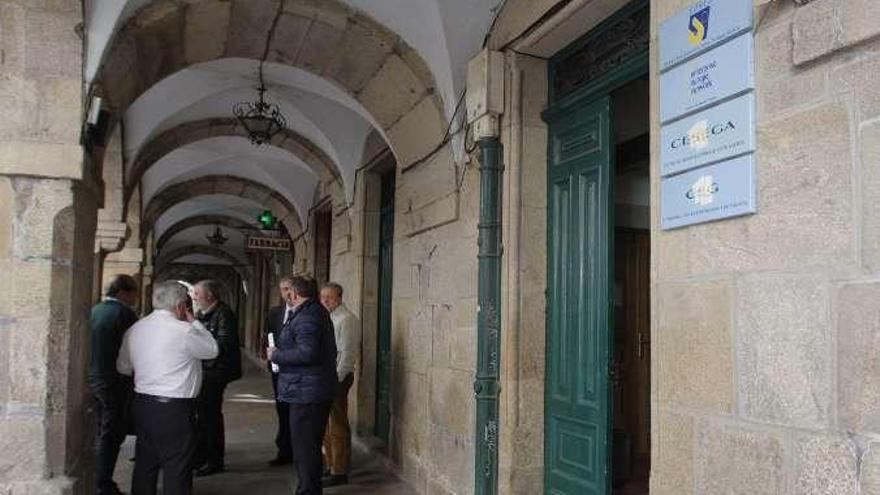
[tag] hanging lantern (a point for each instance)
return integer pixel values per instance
(217, 238)
(261, 120)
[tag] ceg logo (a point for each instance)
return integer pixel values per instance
(698, 26)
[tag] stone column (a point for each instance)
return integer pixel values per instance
(117, 243)
(109, 236)
(48, 204)
(147, 289)
(524, 137)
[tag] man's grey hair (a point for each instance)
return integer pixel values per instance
(212, 287)
(167, 295)
(335, 287)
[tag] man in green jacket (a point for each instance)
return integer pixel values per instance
(109, 320)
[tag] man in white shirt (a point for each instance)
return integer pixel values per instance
(164, 351)
(337, 439)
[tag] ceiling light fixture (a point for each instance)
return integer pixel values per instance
(217, 238)
(261, 120)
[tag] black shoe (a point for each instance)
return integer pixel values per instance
(280, 461)
(110, 490)
(335, 480)
(208, 470)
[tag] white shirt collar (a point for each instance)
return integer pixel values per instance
(339, 309)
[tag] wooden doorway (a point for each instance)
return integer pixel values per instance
(595, 130)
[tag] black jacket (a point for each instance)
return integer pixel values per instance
(275, 320)
(109, 321)
(222, 324)
(306, 354)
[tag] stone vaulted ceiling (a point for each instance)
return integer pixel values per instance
(170, 70)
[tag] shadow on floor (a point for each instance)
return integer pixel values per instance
(249, 411)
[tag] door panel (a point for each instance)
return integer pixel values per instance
(578, 430)
(386, 263)
(634, 253)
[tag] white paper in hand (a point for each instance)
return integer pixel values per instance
(275, 368)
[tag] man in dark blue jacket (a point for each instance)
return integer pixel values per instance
(306, 355)
(109, 321)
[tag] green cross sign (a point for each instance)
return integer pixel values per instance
(268, 220)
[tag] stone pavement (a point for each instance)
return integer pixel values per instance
(250, 432)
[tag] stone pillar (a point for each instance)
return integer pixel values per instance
(147, 273)
(113, 257)
(44, 308)
(524, 135)
(109, 237)
(48, 204)
(147, 289)
(117, 243)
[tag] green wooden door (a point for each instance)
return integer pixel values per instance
(386, 258)
(578, 390)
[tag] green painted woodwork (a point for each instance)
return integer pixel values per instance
(386, 260)
(611, 54)
(486, 386)
(579, 331)
(577, 415)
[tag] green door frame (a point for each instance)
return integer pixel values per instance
(589, 94)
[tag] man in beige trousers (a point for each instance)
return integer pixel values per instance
(337, 439)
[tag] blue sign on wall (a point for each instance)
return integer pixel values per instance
(713, 135)
(723, 190)
(708, 78)
(702, 26)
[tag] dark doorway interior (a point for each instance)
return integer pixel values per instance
(632, 351)
(323, 239)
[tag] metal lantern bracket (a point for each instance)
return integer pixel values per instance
(262, 121)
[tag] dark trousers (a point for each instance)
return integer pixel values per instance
(110, 405)
(307, 423)
(282, 410)
(212, 433)
(166, 441)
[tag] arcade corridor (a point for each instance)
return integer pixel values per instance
(574, 271)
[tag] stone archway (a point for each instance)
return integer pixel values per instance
(328, 39)
(192, 132)
(198, 220)
(173, 255)
(222, 184)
